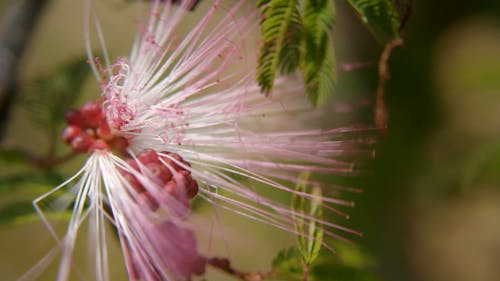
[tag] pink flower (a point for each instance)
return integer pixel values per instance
(178, 254)
(182, 117)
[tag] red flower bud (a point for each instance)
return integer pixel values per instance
(82, 143)
(148, 156)
(92, 113)
(70, 133)
(75, 117)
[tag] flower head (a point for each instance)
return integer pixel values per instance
(179, 118)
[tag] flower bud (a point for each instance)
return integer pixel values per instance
(75, 117)
(70, 133)
(82, 143)
(92, 113)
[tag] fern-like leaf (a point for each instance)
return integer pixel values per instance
(281, 35)
(318, 59)
(51, 96)
(380, 16)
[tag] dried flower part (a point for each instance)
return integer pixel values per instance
(168, 171)
(88, 130)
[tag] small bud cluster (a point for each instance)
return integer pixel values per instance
(175, 180)
(88, 130)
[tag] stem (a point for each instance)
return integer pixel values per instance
(225, 265)
(21, 18)
(383, 76)
(305, 271)
(50, 162)
(44, 162)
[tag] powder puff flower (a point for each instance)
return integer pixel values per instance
(181, 117)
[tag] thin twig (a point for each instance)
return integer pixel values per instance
(18, 27)
(50, 162)
(42, 162)
(383, 76)
(381, 117)
(224, 265)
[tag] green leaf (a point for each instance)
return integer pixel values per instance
(355, 257)
(287, 266)
(18, 191)
(310, 232)
(317, 56)
(40, 181)
(318, 19)
(281, 30)
(13, 156)
(22, 212)
(52, 95)
(380, 16)
(15, 210)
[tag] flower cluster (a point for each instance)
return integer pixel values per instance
(88, 130)
(183, 118)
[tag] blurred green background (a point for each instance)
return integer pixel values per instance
(430, 209)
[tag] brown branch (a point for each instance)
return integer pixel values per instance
(18, 27)
(42, 162)
(383, 76)
(224, 265)
(50, 162)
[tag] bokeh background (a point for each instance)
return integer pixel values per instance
(430, 209)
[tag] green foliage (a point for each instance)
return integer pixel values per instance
(39, 181)
(349, 264)
(13, 156)
(19, 189)
(318, 61)
(287, 266)
(297, 34)
(306, 262)
(380, 16)
(352, 256)
(15, 210)
(281, 33)
(22, 212)
(45, 101)
(54, 93)
(310, 232)
(292, 37)
(293, 263)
